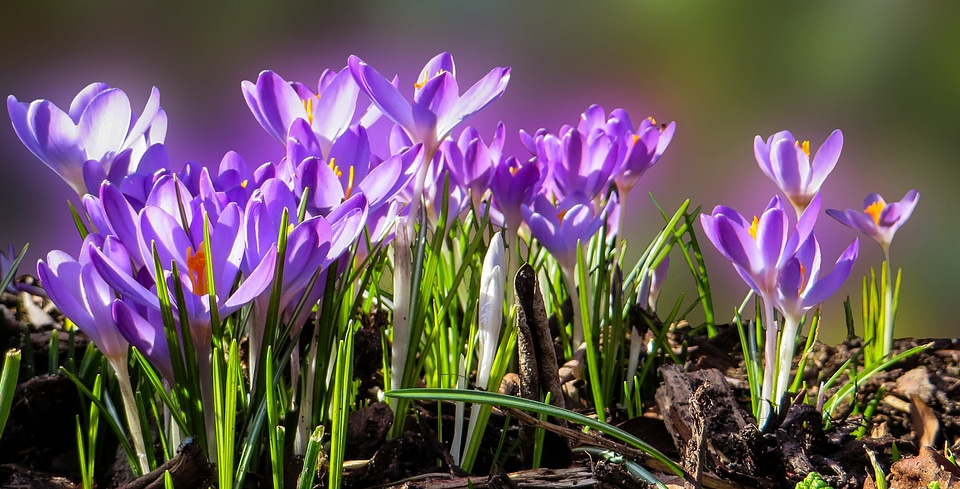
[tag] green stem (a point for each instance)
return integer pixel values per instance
(130, 408)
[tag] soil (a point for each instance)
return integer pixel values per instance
(699, 418)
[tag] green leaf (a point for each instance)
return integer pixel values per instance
(8, 385)
(536, 407)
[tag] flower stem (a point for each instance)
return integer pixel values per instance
(788, 344)
(887, 273)
(130, 408)
(769, 363)
(569, 276)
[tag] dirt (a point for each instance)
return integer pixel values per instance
(916, 419)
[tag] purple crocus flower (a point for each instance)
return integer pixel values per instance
(799, 287)
(759, 248)
(878, 219)
(472, 162)
(759, 251)
(637, 150)
(579, 162)
(437, 105)
(276, 104)
(84, 297)
(787, 162)
(560, 226)
(97, 129)
(514, 185)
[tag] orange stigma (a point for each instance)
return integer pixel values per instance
(197, 269)
(561, 215)
(875, 210)
(753, 228)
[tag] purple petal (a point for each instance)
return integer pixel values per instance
(825, 159)
(828, 285)
(104, 123)
(382, 93)
(478, 97)
(83, 99)
(256, 283)
(151, 112)
(334, 111)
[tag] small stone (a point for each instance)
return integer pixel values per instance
(916, 382)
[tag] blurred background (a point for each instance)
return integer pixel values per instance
(886, 73)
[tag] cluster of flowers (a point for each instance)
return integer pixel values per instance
(230, 218)
(781, 262)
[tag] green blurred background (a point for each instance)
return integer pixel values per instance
(886, 73)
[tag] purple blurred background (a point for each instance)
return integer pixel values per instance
(888, 76)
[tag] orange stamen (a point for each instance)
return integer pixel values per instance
(875, 210)
(197, 268)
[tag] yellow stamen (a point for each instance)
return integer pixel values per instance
(652, 121)
(335, 168)
(308, 106)
(805, 146)
(244, 183)
(349, 190)
(197, 269)
(753, 228)
(875, 210)
(425, 79)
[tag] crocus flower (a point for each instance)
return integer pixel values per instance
(97, 129)
(579, 162)
(514, 184)
(472, 162)
(276, 104)
(799, 289)
(559, 227)
(84, 297)
(878, 219)
(759, 250)
(787, 162)
(437, 105)
(637, 150)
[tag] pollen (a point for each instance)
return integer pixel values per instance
(197, 269)
(753, 228)
(420, 84)
(335, 168)
(804, 146)
(308, 106)
(875, 210)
